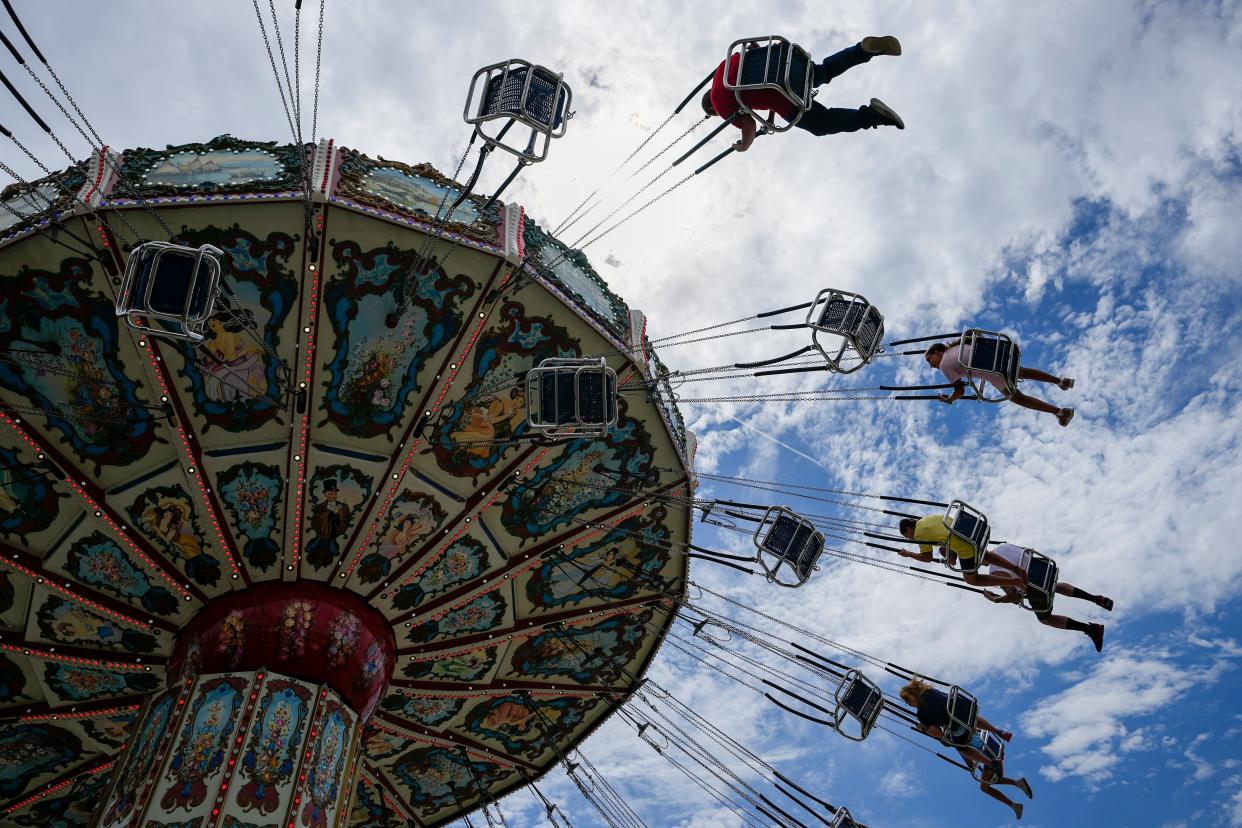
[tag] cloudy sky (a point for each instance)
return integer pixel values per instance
(1070, 173)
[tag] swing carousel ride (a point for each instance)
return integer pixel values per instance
(335, 493)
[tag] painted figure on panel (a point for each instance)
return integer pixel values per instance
(234, 366)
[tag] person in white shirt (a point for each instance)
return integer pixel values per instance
(1006, 559)
(948, 358)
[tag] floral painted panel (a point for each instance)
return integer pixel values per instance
(237, 383)
(337, 494)
(31, 751)
(139, 759)
(472, 433)
(77, 380)
(387, 321)
(16, 685)
(252, 494)
(327, 764)
(371, 811)
(605, 567)
(512, 724)
(166, 515)
(71, 809)
(477, 615)
(28, 502)
(462, 561)
(435, 775)
(73, 683)
(428, 711)
(463, 667)
(203, 742)
(583, 477)
(412, 519)
(97, 560)
(111, 730)
(68, 622)
(594, 654)
(276, 738)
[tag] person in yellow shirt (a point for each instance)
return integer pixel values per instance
(931, 531)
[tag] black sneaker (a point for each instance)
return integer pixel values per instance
(881, 45)
(885, 115)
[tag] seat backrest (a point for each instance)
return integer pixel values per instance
(843, 819)
(1042, 583)
(963, 708)
(862, 699)
(597, 396)
(782, 536)
(765, 64)
(542, 104)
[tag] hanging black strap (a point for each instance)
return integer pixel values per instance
(918, 387)
(705, 139)
(681, 105)
(775, 360)
(924, 338)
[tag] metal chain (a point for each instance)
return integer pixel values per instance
(318, 56)
(275, 72)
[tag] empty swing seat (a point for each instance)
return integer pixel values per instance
(793, 541)
(843, 819)
(963, 709)
(1042, 575)
(516, 91)
(860, 699)
(968, 524)
(170, 289)
(771, 63)
(572, 397)
(849, 316)
(990, 355)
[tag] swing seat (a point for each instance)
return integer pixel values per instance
(843, 819)
(857, 324)
(771, 63)
(963, 711)
(968, 524)
(170, 290)
(990, 354)
(572, 397)
(794, 543)
(993, 750)
(860, 699)
(518, 92)
(1041, 588)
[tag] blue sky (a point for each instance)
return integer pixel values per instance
(1070, 173)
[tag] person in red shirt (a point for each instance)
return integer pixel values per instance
(819, 120)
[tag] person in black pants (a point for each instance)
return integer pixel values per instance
(932, 709)
(820, 120)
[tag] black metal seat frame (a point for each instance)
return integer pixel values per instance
(857, 324)
(860, 699)
(786, 69)
(797, 547)
(198, 271)
(969, 525)
(991, 353)
(547, 378)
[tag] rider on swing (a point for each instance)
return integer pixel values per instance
(820, 120)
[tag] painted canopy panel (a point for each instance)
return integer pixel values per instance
(355, 416)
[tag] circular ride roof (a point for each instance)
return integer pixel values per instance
(119, 523)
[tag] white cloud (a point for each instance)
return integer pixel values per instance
(1089, 727)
